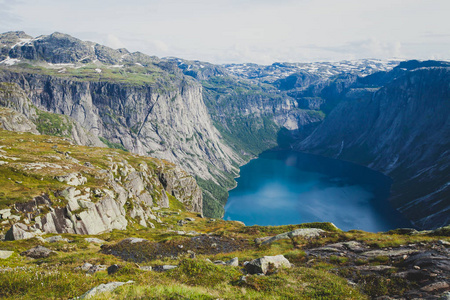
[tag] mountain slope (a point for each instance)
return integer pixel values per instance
(402, 130)
(142, 103)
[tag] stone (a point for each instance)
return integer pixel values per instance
(5, 213)
(95, 240)
(4, 254)
(442, 242)
(38, 252)
(96, 268)
(390, 253)
(134, 240)
(85, 267)
(113, 269)
(303, 232)
(234, 262)
(146, 268)
(74, 179)
(182, 223)
(266, 263)
(20, 231)
(219, 262)
(56, 238)
(190, 219)
(102, 288)
(436, 286)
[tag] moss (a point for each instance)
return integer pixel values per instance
(203, 273)
(112, 145)
(53, 124)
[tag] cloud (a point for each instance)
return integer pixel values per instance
(369, 48)
(7, 17)
(114, 42)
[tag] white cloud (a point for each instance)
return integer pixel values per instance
(114, 42)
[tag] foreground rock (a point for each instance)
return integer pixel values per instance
(303, 232)
(267, 263)
(38, 252)
(20, 231)
(4, 254)
(102, 288)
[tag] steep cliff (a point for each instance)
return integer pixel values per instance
(401, 129)
(144, 105)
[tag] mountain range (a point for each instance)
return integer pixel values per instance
(209, 119)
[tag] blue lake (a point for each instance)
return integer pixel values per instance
(285, 187)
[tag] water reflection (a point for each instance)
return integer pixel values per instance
(285, 187)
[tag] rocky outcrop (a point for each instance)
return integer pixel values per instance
(402, 130)
(102, 288)
(266, 264)
(90, 198)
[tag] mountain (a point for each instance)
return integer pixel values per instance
(210, 119)
(128, 100)
(400, 128)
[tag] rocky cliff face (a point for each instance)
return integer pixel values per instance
(144, 105)
(401, 129)
(53, 186)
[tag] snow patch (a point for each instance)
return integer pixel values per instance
(98, 70)
(9, 61)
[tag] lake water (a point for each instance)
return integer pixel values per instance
(285, 187)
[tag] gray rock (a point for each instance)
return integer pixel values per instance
(85, 267)
(234, 262)
(38, 252)
(74, 179)
(190, 219)
(96, 268)
(219, 262)
(113, 269)
(436, 286)
(20, 231)
(102, 288)
(390, 253)
(145, 268)
(4, 254)
(5, 213)
(56, 238)
(95, 240)
(303, 232)
(168, 267)
(265, 263)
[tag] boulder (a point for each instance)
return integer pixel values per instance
(74, 179)
(5, 213)
(234, 262)
(56, 238)
(4, 254)
(96, 268)
(102, 288)
(303, 232)
(113, 269)
(94, 240)
(266, 263)
(38, 252)
(20, 231)
(436, 286)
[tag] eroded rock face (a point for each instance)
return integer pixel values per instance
(94, 211)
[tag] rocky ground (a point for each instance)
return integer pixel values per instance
(199, 258)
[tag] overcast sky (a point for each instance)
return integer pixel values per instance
(236, 31)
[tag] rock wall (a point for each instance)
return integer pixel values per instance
(403, 130)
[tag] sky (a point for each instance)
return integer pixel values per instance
(238, 31)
